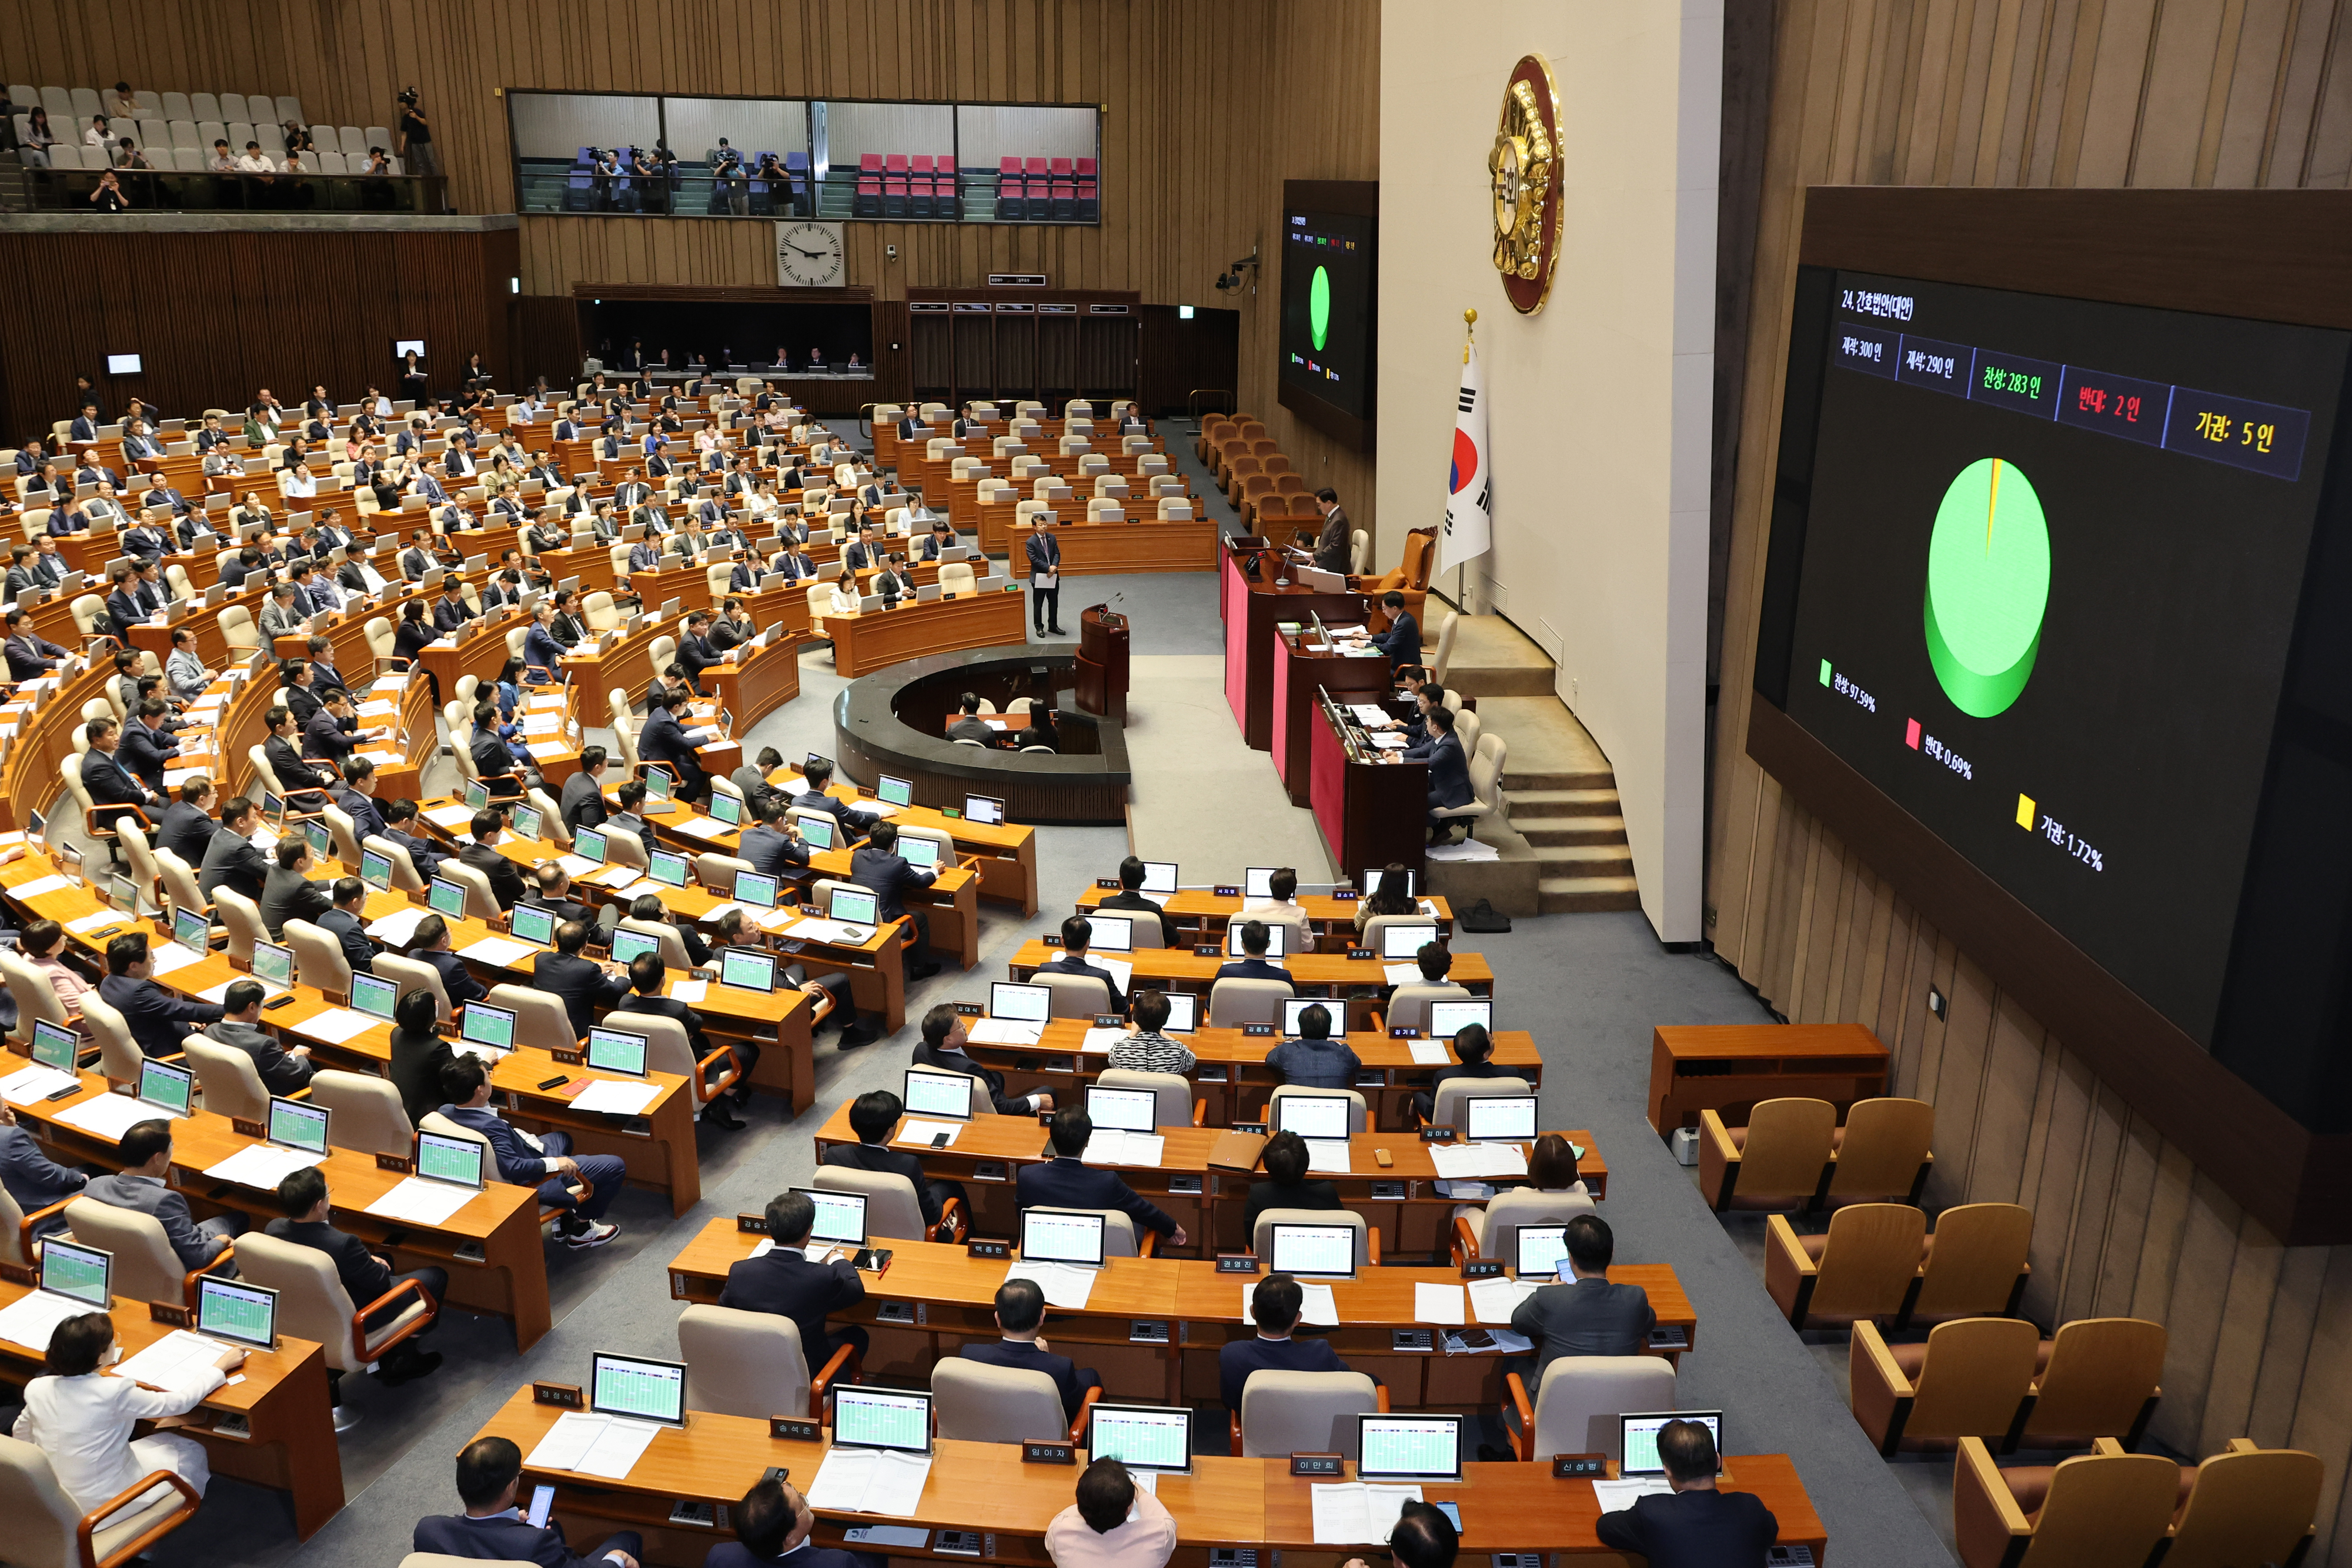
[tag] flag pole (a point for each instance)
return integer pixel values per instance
(1462, 568)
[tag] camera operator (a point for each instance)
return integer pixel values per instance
(412, 140)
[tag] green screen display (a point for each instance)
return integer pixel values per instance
(867, 1419)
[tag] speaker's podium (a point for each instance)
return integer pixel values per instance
(1102, 662)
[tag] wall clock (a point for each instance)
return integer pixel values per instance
(1524, 173)
(808, 256)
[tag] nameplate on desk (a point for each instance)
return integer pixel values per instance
(1361, 953)
(1400, 1031)
(987, 1249)
(1437, 1134)
(1146, 1331)
(563, 1395)
(1204, 950)
(1580, 1467)
(172, 1313)
(19, 1274)
(569, 1058)
(1051, 941)
(1108, 883)
(244, 1128)
(1236, 1262)
(1417, 1342)
(1318, 1464)
(895, 1312)
(1257, 1030)
(1049, 1454)
(1184, 1185)
(1224, 891)
(791, 1429)
(752, 1224)
(1481, 1268)
(393, 1163)
(969, 1009)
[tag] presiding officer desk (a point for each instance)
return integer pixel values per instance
(1209, 1198)
(984, 1489)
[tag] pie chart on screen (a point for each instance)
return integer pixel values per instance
(1987, 585)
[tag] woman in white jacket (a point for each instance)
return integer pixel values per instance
(82, 1419)
(845, 593)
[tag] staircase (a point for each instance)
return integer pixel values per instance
(1571, 822)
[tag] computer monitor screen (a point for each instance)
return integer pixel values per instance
(728, 809)
(1641, 1434)
(668, 868)
(984, 809)
(1335, 1015)
(840, 1216)
(657, 784)
(374, 996)
(1183, 1012)
(920, 854)
(1111, 933)
(1060, 1235)
(1410, 1447)
(1257, 881)
(616, 1050)
(54, 1045)
(1155, 1438)
(486, 1025)
(1501, 1118)
(161, 1084)
(628, 944)
(638, 1389)
(853, 906)
(234, 1310)
(1128, 1109)
(457, 1161)
(1277, 939)
(375, 870)
(83, 1273)
(1313, 1116)
(1447, 1020)
(474, 794)
(814, 758)
(897, 791)
(755, 889)
(191, 930)
(937, 1094)
(447, 899)
(817, 831)
(1159, 878)
(532, 924)
(881, 1418)
(1369, 882)
(1405, 941)
(1543, 1249)
(1314, 1249)
(747, 969)
(527, 821)
(297, 1124)
(273, 965)
(321, 843)
(588, 843)
(1022, 1004)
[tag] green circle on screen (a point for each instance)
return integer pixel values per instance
(1988, 587)
(1319, 306)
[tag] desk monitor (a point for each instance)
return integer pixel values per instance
(532, 924)
(899, 1419)
(1500, 1118)
(297, 1124)
(169, 1087)
(321, 843)
(588, 843)
(1156, 1438)
(756, 889)
(447, 898)
(457, 1161)
(273, 965)
(1293, 1006)
(527, 821)
(897, 791)
(726, 808)
(1323, 1116)
(628, 944)
(930, 1093)
(667, 867)
(1111, 933)
(923, 854)
(1326, 1249)
(1277, 938)
(489, 1026)
(79, 1273)
(190, 930)
(617, 1050)
(1641, 1435)
(1020, 1003)
(1543, 1250)
(853, 906)
(814, 758)
(474, 794)
(54, 1045)
(1409, 1448)
(1062, 1236)
(637, 1389)
(984, 809)
(375, 868)
(1158, 878)
(1127, 1109)
(1406, 941)
(840, 1216)
(1257, 881)
(374, 996)
(816, 831)
(273, 809)
(747, 969)
(657, 784)
(235, 1311)
(1183, 1012)
(1368, 881)
(1447, 1020)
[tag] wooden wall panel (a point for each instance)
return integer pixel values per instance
(2228, 93)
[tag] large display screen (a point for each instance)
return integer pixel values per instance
(1327, 280)
(2051, 556)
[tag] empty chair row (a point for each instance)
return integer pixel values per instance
(2244, 1505)
(923, 164)
(81, 103)
(1997, 1379)
(897, 196)
(1793, 1154)
(1054, 168)
(1877, 1261)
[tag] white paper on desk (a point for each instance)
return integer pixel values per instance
(1429, 1052)
(1617, 1495)
(1500, 1342)
(1327, 1154)
(33, 1085)
(544, 724)
(717, 912)
(337, 1025)
(263, 1165)
(378, 709)
(1368, 713)
(1113, 1146)
(497, 951)
(1455, 1161)
(689, 990)
(1065, 1285)
(169, 956)
(1102, 1039)
(88, 923)
(176, 1360)
(420, 1201)
(870, 1480)
(1401, 974)
(814, 929)
(774, 919)
(918, 1131)
(30, 1320)
(617, 1449)
(1386, 740)
(878, 808)
(38, 887)
(176, 776)
(614, 875)
(578, 866)
(1436, 1303)
(543, 702)
(399, 927)
(450, 816)
(1318, 1309)
(1496, 1299)
(264, 838)
(109, 1116)
(616, 1099)
(1350, 1512)
(568, 1441)
(701, 826)
(1005, 1031)
(642, 884)
(547, 750)
(1121, 969)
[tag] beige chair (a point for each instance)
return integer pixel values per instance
(977, 1403)
(1409, 1003)
(667, 1049)
(673, 945)
(550, 824)
(2098, 1378)
(119, 1056)
(752, 1365)
(1368, 1240)
(1881, 1155)
(893, 1208)
(241, 918)
(1488, 761)
(481, 903)
(345, 833)
(1174, 1105)
(180, 884)
(1443, 657)
(1303, 1412)
(1074, 996)
(2247, 1504)
(145, 1267)
(1974, 1265)
(2106, 1509)
(599, 610)
(1358, 1112)
(1577, 1405)
(146, 874)
(1776, 1162)
(35, 997)
(312, 1305)
(231, 1084)
(408, 974)
(957, 578)
(1119, 1238)
(1452, 1107)
(319, 959)
(1971, 1378)
(47, 1530)
(1863, 1268)
(238, 630)
(365, 1111)
(1493, 1231)
(405, 878)
(1233, 1003)
(542, 1020)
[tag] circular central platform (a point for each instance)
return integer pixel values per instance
(894, 722)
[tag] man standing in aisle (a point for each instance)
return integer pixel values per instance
(1331, 546)
(1045, 577)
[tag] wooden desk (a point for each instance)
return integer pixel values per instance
(763, 680)
(1004, 853)
(1203, 915)
(863, 643)
(1299, 674)
(283, 1398)
(1252, 608)
(1729, 1066)
(1371, 813)
(1141, 543)
(1311, 974)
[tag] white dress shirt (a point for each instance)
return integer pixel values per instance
(84, 1424)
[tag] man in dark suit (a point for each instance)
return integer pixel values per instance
(344, 922)
(1590, 1316)
(288, 893)
(450, 611)
(544, 1161)
(583, 805)
(144, 1155)
(1075, 934)
(30, 656)
(541, 649)
(783, 1281)
(584, 984)
(32, 1178)
(282, 1069)
(942, 1046)
(147, 750)
(550, 883)
(159, 1019)
(230, 858)
(1276, 1304)
(332, 732)
(309, 1221)
(1449, 770)
(1066, 1182)
(1314, 1059)
(694, 649)
(1131, 896)
(873, 1115)
(665, 740)
(772, 847)
(1020, 1314)
(292, 775)
(506, 877)
(1333, 546)
(186, 826)
(1252, 965)
(431, 947)
(971, 725)
(107, 781)
(878, 865)
(1696, 1525)
(1401, 641)
(357, 798)
(772, 1524)
(1045, 553)
(489, 1472)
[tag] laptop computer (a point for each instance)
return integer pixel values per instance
(897, 791)
(1277, 939)
(1257, 881)
(894, 1419)
(273, 966)
(1295, 1008)
(1125, 1110)
(756, 889)
(167, 1087)
(1159, 878)
(375, 868)
(1314, 1116)
(374, 996)
(1409, 1448)
(490, 1028)
(1447, 1020)
(668, 868)
(297, 1124)
(1499, 1118)
(628, 944)
(456, 1161)
(1398, 942)
(856, 908)
(530, 923)
(447, 898)
(986, 810)
(816, 831)
(1183, 1012)
(1111, 932)
(747, 969)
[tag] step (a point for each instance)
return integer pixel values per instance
(1547, 833)
(1519, 782)
(1586, 895)
(1497, 679)
(1545, 803)
(1586, 859)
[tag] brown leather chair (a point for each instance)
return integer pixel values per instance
(1775, 1162)
(2098, 1378)
(2246, 1504)
(2103, 1509)
(1974, 1265)
(1863, 1268)
(1970, 1377)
